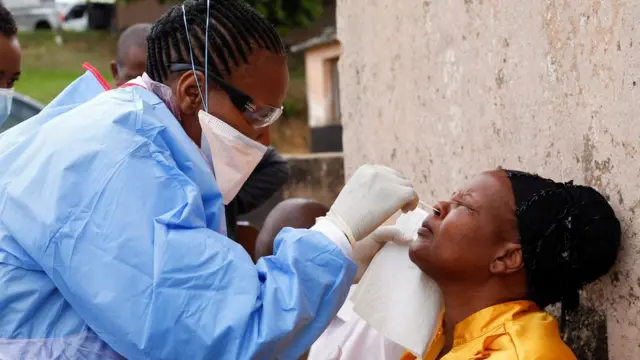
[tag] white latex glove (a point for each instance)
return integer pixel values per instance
(372, 195)
(366, 250)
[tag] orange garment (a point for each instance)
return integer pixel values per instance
(516, 330)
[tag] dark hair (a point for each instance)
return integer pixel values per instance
(569, 234)
(235, 31)
(134, 36)
(8, 26)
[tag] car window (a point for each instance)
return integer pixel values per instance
(20, 111)
(76, 12)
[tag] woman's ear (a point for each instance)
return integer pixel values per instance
(508, 260)
(188, 96)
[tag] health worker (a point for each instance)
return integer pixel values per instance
(112, 229)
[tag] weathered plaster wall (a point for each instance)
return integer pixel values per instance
(445, 89)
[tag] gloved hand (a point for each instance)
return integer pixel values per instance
(372, 195)
(366, 250)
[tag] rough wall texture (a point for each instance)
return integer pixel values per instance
(442, 90)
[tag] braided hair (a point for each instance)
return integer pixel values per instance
(569, 235)
(235, 31)
(8, 27)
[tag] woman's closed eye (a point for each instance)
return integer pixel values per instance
(456, 204)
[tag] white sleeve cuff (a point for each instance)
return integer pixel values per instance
(336, 235)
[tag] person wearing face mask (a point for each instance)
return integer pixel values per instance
(112, 232)
(10, 56)
(271, 173)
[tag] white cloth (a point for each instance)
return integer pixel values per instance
(367, 248)
(348, 337)
(396, 298)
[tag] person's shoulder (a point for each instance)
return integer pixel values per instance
(122, 114)
(98, 134)
(536, 336)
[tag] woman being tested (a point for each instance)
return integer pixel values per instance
(112, 235)
(503, 248)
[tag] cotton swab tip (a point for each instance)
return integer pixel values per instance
(429, 207)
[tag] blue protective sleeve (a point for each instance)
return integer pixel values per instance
(139, 265)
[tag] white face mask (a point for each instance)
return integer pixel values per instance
(234, 156)
(6, 99)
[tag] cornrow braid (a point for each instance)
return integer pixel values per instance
(569, 234)
(235, 31)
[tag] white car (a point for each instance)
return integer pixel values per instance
(34, 14)
(74, 14)
(30, 15)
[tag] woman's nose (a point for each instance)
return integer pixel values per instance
(442, 209)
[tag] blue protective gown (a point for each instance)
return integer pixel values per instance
(110, 245)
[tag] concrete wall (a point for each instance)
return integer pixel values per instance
(315, 176)
(443, 90)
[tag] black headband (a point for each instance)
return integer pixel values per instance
(569, 236)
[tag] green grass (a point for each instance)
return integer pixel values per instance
(48, 68)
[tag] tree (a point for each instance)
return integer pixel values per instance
(284, 14)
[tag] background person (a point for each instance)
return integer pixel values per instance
(131, 54)
(295, 213)
(10, 58)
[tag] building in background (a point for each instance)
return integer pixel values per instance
(101, 14)
(141, 11)
(321, 54)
